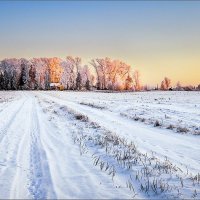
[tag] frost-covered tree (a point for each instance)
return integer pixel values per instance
(32, 77)
(78, 81)
(165, 84)
(55, 69)
(38, 73)
(10, 73)
(1, 80)
(68, 77)
(111, 74)
(136, 78)
(86, 77)
(42, 77)
(75, 64)
(98, 82)
(14, 81)
(6, 81)
(23, 78)
(128, 83)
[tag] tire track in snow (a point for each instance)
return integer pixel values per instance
(20, 181)
(14, 131)
(74, 175)
(41, 186)
(8, 115)
(24, 171)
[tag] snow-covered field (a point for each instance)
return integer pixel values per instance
(99, 145)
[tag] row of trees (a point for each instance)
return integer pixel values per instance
(71, 74)
(166, 85)
(40, 73)
(115, 75)
(179, 87)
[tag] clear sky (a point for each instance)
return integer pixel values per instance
(158, 38)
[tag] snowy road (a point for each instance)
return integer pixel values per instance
(39, 158)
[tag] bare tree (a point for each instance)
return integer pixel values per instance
(136, 78)
(128, 83)
(165, 84)
(95, 65)
(111, 74)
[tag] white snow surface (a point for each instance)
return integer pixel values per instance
(39, 158)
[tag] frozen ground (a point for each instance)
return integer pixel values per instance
(99, 145)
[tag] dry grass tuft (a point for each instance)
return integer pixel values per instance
(81, 117)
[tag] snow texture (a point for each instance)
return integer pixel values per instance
(99, 145)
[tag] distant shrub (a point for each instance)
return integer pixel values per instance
(136, 118)
(170, 127)
(94, 125)
(81, 117)
(182, 129)
(157, 123)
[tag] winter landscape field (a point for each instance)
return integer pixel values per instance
(99, 99)
(58, 144)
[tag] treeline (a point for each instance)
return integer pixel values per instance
(71, 74)
(166, 85)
